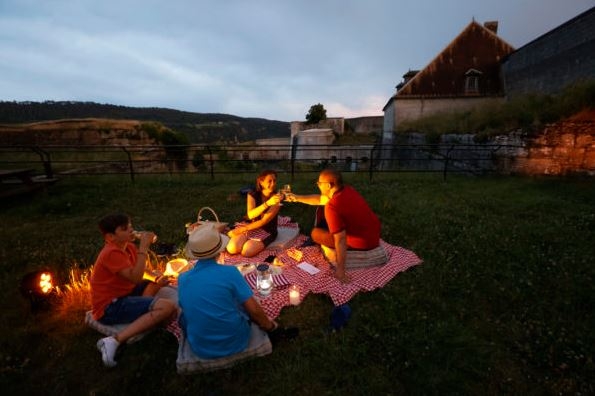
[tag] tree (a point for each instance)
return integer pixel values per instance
(316, 114)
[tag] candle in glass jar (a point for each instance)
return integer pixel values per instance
(294, 295)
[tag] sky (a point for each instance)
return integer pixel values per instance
(269, 59)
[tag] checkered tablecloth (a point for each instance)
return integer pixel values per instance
(364, 279)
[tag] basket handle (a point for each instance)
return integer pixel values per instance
(199, 218)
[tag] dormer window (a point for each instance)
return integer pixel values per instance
(472, 81)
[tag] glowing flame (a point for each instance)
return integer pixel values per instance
(45, 283)
(176, 267)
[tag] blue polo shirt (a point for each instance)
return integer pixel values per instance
(213, 318)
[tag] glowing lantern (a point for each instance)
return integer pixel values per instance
(38, 287)
(176, 267)
(45, 282)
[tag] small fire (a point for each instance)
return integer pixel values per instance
(45, 282)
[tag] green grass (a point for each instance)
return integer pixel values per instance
(501, 305)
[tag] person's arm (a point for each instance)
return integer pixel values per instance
(267, 211)
(341, 251)
(135, 274)
(258, 316)
(314, 199)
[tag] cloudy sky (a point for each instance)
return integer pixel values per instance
(252, 58)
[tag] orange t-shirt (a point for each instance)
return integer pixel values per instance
(106, 284)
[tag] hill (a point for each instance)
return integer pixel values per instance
(198, 127)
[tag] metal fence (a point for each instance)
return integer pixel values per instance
(218, 160)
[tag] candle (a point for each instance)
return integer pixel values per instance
(294, 295)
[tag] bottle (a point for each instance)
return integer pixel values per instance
(138, 235)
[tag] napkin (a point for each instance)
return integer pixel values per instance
(278, 280)
(309, 268)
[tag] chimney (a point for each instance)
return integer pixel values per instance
(492, 26)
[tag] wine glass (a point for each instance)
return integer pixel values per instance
(286, 189)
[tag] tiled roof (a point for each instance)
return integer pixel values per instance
(476, 49)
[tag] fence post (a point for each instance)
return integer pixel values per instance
(292, 159)
(446, 161)
(371, 167)
(130, 165)
(211, 162)
(46, 160)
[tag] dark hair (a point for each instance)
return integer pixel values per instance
(261, 177)
(111, 222)
(335, 176)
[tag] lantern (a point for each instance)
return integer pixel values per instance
(38, 288)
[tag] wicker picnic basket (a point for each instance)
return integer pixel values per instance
(220, 226)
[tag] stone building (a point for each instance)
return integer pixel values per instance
(478, 67)
(463, 75)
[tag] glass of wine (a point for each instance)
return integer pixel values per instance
(286, 189)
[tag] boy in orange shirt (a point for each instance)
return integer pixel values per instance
(118, 292)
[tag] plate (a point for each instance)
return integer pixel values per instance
(245, 268)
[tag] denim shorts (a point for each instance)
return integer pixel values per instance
(128, 308)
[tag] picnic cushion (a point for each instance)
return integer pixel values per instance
(111, 330)
(187, 362)
(358, 258)
(285, 237)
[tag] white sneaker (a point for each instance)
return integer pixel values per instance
(108, 346)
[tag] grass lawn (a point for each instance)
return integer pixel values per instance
(502, 304)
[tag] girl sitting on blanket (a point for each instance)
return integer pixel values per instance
(251, 237)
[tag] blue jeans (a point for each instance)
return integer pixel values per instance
(128, 308)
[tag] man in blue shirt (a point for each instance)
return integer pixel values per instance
(219, 312)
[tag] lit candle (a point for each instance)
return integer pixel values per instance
(294, 295)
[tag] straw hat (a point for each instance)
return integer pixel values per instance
(205, 242)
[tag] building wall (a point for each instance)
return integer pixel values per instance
(553, 61)
(407, 109)
(336, 124)
(313, 137)
(389, 123)
(357, 125)
(364, 125)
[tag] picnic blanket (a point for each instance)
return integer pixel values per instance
(293, 253)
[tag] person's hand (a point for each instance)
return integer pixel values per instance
(159, 278)
(274, 199)
(274, 327)
(147, 237)
(342, 276)
(162, 280)
(290, 197)
(236, 232)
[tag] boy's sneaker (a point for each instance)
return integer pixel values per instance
(108, 346)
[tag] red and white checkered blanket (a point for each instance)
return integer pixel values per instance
(364, 279)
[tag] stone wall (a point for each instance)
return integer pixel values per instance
(551, 62)
(563, 148)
